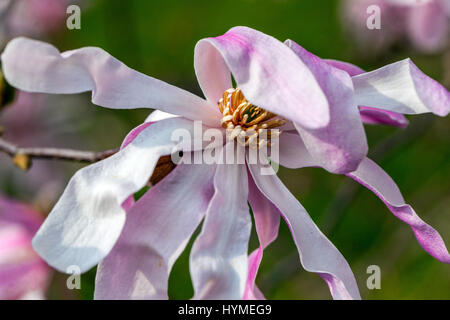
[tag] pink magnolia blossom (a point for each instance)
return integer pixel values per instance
(32, 17)
(23, 274)
(31, 120)
(96, 219)
(423, 23)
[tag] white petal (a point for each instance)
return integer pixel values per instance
(158, 115)
(269, 74)
(293, 153)
(317, 253)
(218, 261)
(212, 73)
(88, 218)
(39, 67)
(157, 230)
(401, 87)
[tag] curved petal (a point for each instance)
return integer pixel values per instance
(88, 218)
(377, 116)
(341, 145)
(370, 115)
(269, 75)
(317, 253)
(401, 87)
(370, 175)
(267, 222)
(157, 229)
(428, 26)
(293, 153)
(158, 115)
(350, 68)
(36, 66)
(212, 72)
(218, 260)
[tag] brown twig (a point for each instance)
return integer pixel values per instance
(22, 156)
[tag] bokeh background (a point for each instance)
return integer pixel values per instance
(158, 38)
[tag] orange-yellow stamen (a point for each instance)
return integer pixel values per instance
(247, 123)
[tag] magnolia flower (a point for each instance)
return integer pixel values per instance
(424, 23)
(31, 17)
(23, 274)
(46, 125)
(312, 100)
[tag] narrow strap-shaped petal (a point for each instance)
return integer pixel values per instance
(348, 67)
(377, 116)
(268, 73)
(218, 260)
(36, 66)
(157, 229)
(341, 145)
(267, 222)
(317, 253)
(212, 72)
(293, 153)
(370, 115)
(158, 115)
(88, 218)
(401, 87)
(370, 175)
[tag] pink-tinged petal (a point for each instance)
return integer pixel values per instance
(218, 260)
(157, 229)
(317, 253)
(19, 213)
(428, 26)
(17, 280)
(267, 222)
(133, 134)
(158, 115)
(88, 218)
(401, 87)
(377, 116)
(341, 145)
(36, 66)
(371, 115)
(22, 271)
(350, 68)
(293, 153)
(212, 72)
(269, 74)
(370, 175)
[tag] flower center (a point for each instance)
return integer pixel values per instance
(246, 123)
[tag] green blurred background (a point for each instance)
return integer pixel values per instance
(158, 38)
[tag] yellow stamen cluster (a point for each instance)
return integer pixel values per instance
(246, 122)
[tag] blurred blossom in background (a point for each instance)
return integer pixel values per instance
(33, 18)
(157, 38)
(422, 24)
(23, 274)
(34, 120)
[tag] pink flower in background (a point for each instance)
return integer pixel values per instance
(23, 274)
(32, 119)
(137, 243)
(37, 120)
(32, 17)
(423, 23)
